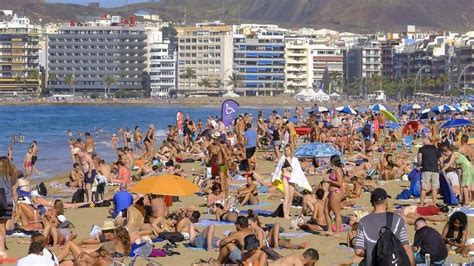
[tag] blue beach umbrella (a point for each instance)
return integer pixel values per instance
(392, 125)
(428, 114)
(316, 150)
(456, 123)
(444, 108)
(346, 110)
(377, 107)
(318, 110)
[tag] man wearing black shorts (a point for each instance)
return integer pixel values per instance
(250, 137)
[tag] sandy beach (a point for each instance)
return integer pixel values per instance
(328, 246)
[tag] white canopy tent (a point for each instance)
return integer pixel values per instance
(306, 95)
(321, 96)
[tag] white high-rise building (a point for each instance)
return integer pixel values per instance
(162, 69)
(329, 57)
(298, 64)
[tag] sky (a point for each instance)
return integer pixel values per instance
(103, 3)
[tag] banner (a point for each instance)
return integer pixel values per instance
(229, 111)
(179, 120)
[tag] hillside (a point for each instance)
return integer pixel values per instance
(348, 15)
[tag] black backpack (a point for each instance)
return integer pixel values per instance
(389, 250)
(78, 196)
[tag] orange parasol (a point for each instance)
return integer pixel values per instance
(167, 185)
(415, 125)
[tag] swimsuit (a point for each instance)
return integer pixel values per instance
(34, 159)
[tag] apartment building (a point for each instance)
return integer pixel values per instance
(94, 51)
(205, 52)
(259, 58)
(330, 57)
(371, 59)
(298, 64)
(19, 57)
(162, 69)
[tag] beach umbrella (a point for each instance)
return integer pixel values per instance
(389, 115)
(167, 185)
(319, 110)
(466, 106)
(392, 125)
(415, 106)
(443, 108)
(346, 110)
(316, 150)
(456, 123)
(427, 114)
(413, 124)
(377, 107)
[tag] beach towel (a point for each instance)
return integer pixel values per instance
(449, 198)
(205, 223)
(295, 234)
(467, 210)
(264, 213)
(297, 175)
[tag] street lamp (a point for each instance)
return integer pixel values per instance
(416, 77)
(462, 74)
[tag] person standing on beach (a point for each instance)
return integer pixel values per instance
(27, 163)
(127, 137)
(34, 158)
(429, 158)
(87, 164)
(148, 142)
(8, 177)
(250, 138)
(138, 137)
(89, 145)
(115, 141)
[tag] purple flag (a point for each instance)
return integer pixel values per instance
(229, 111)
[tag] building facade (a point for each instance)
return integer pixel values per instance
(329, 57)
(162, 69)
(205, 53)
(259, 52)
(19, 57)
(91, 53)
(298, 65)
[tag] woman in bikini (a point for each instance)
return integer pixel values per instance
(224, 214)
(148, 141)
(336, 195)
(288, 187)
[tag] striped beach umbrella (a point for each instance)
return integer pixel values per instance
(445, 108)
(428, 114)
(319, 110)
(377, 107)
(346, 110)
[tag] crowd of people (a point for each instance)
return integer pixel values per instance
(369, 154)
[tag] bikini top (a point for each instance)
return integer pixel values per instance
(286, 164)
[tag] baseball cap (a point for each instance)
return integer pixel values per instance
(378, 194)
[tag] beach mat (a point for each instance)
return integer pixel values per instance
(295, 234)
(212, 222)
(20, 233)
(264, 213)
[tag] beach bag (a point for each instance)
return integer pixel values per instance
(271, 253)
(415, 186)
(171, 236)
(42, 190)
(389, 250)
(78, 196)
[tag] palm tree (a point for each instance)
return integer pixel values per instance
(70, 80)
(52, 78)
(234, 80)
(336, 79)
(204, 83)
(188, 74)
(109, 80)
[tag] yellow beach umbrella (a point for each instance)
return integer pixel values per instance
(167, 185)
(389, 115)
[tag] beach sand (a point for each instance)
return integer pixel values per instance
(329, 250)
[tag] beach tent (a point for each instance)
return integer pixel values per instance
(305, 95)
(321, 96)
(231, 94)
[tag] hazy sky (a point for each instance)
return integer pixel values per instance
(103, 3)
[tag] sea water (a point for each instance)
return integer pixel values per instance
(49, 124)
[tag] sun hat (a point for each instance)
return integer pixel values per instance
(108, 225)
(216, 135)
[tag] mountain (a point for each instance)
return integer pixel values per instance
(345, 15)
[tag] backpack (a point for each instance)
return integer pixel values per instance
(389, 250)
(78, 196)
(171, 236)
(42, 190)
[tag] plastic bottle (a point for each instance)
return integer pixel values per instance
(427, 259)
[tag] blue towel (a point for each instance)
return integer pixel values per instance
(205, 223)
(264, 213)
(467, 210)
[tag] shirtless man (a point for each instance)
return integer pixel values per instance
(290, 127)
(76, 176)
(465, 148)
(87, 164)
(122, 156)
(104, 169)
(138, 137)
(27, 163)
(217, 157)
(89, 146)
(127, 137)
(231, 247)
(114, 141)
(309, 257)
(318, 221)
(253, 255)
